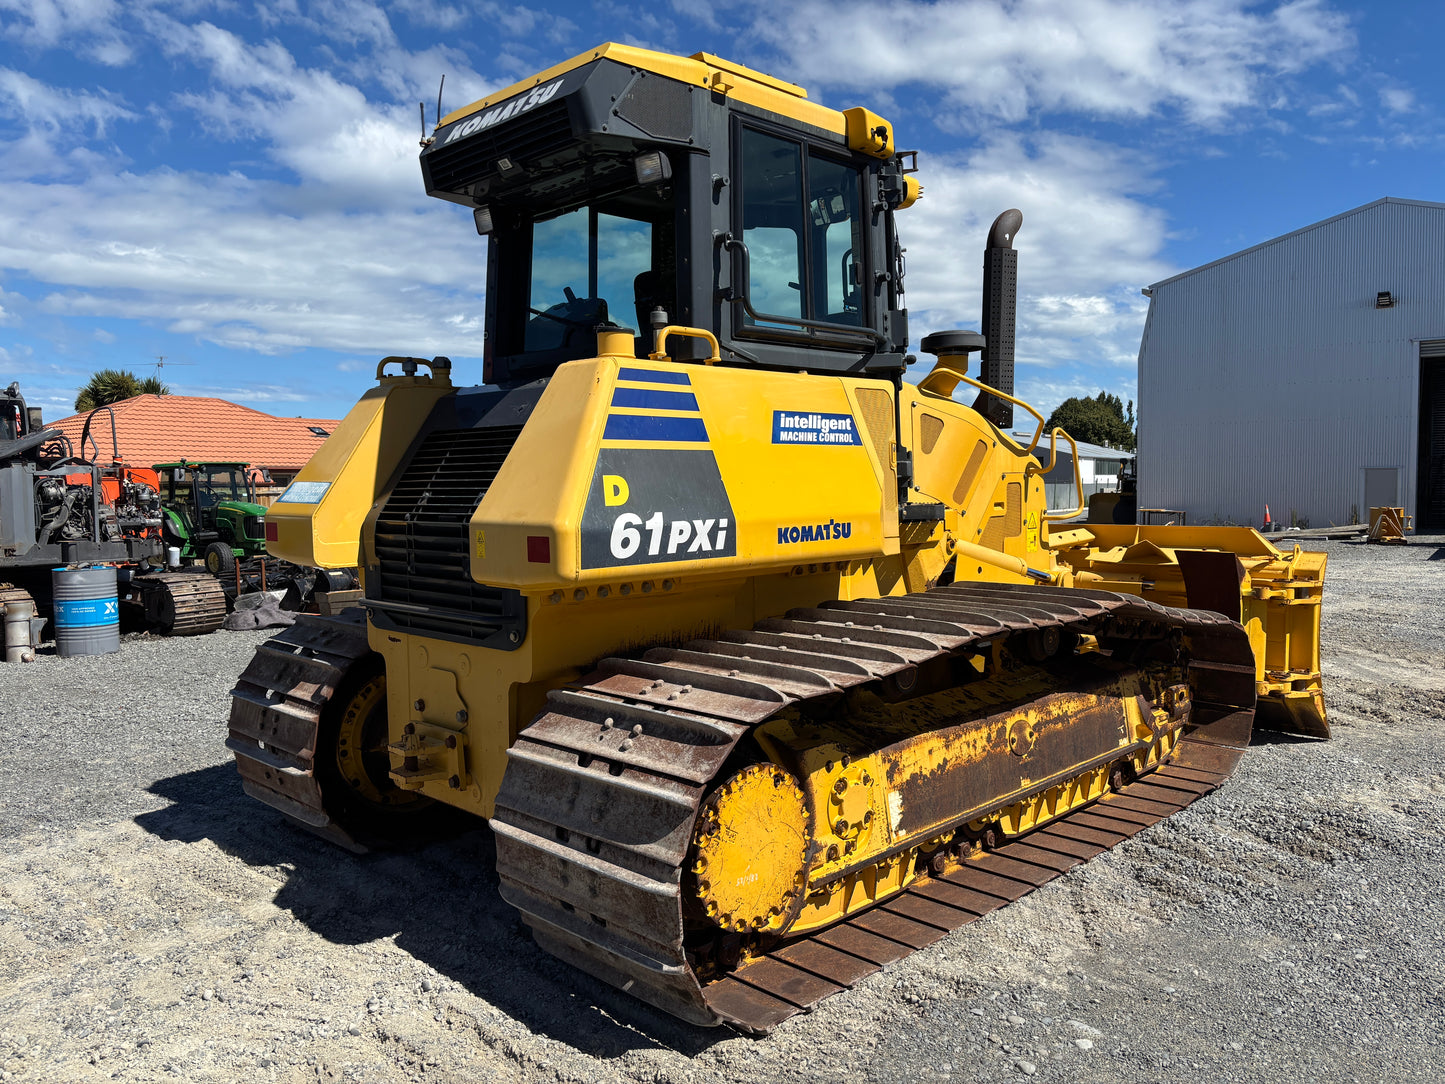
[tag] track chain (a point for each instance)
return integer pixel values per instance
(595, 813)
(276, 715)
(197, 603)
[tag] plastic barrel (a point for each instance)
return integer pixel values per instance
(87, 613)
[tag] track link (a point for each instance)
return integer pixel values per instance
(276, 715)
(182, 603)
(10, 593)
(596, 809)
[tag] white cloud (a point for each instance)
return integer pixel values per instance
(227, 260)
(41, 107)
(1086, 246)
(312, 121)
(88, 26)
(1006, 60)
(430, 13)
(1397, 99)
(251, 393)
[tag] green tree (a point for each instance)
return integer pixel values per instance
(112, 385)
(1100, 420)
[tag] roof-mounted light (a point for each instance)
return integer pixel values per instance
(482, 216)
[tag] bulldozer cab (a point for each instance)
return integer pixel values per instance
(629, 189)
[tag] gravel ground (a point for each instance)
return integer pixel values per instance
(157, 925)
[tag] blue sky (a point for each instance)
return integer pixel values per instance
(232, 184)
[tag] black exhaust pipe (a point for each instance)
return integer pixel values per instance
(1000, 305)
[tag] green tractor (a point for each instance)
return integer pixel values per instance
(211, 513)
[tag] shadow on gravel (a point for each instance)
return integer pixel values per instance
(440, 902)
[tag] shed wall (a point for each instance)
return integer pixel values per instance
(1270, 377)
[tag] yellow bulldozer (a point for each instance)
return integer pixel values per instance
(765, 665)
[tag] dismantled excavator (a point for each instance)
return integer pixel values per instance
(766, 664)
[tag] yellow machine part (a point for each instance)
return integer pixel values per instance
(319, 517)
(465, 703)
(1275, 594)
(799, 523)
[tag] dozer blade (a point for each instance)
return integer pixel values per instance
(598, 810)
(1235, 571)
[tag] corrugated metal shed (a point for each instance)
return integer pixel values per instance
(1271, 377)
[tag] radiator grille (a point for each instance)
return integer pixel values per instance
(422, 552)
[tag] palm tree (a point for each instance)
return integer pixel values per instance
(112, 385)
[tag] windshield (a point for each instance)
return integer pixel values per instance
(556, 278)
(221, 485)
(585, 268)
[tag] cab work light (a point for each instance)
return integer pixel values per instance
(652, 168)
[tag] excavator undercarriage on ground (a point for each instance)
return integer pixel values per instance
(767, 665)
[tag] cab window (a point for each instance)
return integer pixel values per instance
(585, 266)
(801, 216)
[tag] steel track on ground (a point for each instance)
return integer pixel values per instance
(276, 715)
(596, 810)
(197, 601)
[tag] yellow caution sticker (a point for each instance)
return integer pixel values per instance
(479, 550)
(1031, 532)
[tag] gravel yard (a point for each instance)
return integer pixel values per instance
(155, 924)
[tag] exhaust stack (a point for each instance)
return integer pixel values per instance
(1000, 304)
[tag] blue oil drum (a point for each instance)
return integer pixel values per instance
(87, 612)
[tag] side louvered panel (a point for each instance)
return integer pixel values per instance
(421, 541)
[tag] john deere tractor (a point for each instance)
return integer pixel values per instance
(211, 513)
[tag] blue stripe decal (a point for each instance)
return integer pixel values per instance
(654, 376)
(643, 427)
(648, 399)
(86, 613)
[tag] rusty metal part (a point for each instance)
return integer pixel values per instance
(181, 603)
(11, 593)
(276, 710)
(597, 808)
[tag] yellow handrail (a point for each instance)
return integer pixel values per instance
(945, 374)
(660, 354)
(1051, 517)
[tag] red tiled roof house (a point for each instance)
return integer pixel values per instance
(165, 428)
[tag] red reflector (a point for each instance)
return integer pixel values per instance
(271, 532)
(539, 549)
